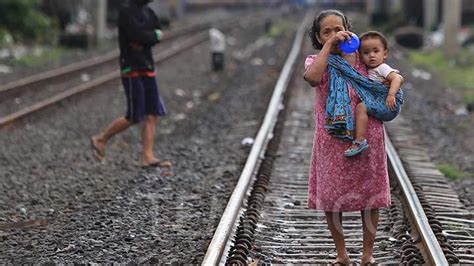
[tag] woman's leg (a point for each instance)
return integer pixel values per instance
(370, 220)
(334, 220)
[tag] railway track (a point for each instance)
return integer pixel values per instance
(26, 96)
(37, 81)
(267, 221)
(94, 83)
(80, 87)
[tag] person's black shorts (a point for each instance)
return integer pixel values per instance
(143, 98)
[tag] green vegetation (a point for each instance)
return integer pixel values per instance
(22, 20)
(451, 172)
(458, 74)
(50, 54)
(5, 37)
(278, 29)
(454, 227)
(39, 56)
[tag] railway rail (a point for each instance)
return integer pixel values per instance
(267, 221)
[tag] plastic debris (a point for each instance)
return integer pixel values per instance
(247, 141)
(462, 111)
(189, 105)
(85, 77)
(257, 61)
(180, 92)
(417, 73)
(69, 248)
(217, 40)
(179, 116)
(4, 69)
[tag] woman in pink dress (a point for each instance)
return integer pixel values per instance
(338, 183)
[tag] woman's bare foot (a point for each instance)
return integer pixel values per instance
(98, 148)
(342, 261)
(367, 261)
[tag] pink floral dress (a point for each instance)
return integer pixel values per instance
(342, 184)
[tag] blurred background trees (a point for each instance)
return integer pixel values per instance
(420, 24)
(22, 21)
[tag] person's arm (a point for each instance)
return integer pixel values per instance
(314, 73)
(396, 81)
(135, 32)
(158, 28)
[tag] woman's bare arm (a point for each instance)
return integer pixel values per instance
(315, 71)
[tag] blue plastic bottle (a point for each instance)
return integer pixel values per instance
(350, 46)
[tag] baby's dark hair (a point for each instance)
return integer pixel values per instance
(316, 27)
(374, 35)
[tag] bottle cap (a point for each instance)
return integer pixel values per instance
(350, 46)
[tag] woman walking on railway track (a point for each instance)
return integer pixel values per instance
(139, 31)
(338, 183)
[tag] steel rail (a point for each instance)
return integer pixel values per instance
(434, 251)
(222, 234)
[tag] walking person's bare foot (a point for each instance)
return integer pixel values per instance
(155, 162)
(342, 261)
(367, 261)
(98, 148)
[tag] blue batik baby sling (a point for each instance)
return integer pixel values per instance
(339, 121)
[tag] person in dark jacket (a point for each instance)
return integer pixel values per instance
(139, 30)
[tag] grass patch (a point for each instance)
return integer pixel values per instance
(451, 172)
(39, 57)
(454, 227)
(278, 29)
(458, 74)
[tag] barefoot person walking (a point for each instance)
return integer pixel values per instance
(139, 31)
(338, 183)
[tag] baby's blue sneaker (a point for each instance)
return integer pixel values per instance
(362, 145)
